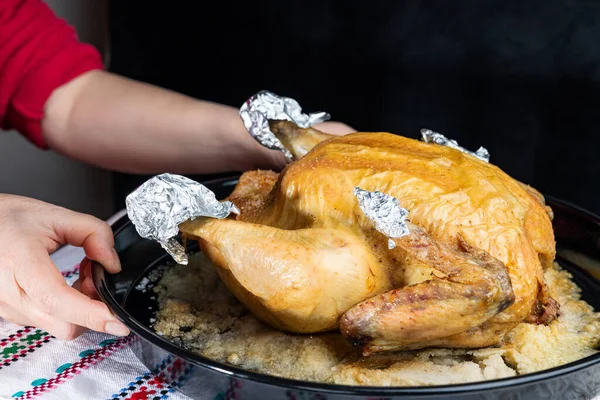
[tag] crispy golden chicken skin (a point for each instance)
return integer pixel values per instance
(304, 258)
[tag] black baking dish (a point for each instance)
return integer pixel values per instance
(578, 250)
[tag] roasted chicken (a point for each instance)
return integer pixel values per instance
(304, 258)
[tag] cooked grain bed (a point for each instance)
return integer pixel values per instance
(199, 313)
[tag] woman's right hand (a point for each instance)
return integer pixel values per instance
(33, 292)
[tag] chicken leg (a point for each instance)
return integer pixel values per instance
(475, 287)
(301, 280)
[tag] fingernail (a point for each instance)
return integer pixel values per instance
(116, 328)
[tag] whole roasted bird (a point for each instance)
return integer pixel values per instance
(303, 257)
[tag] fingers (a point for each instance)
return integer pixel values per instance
(85, 283)
(33, 292)
(93, 234)
(334, 128)
(88, 289)
(57, 303)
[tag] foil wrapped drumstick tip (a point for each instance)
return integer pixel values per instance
(158, 206)
(264, 106)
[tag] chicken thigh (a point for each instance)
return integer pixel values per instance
(304, 258)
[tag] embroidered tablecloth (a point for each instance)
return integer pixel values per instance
(35, 365)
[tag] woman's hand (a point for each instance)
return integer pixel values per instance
(33, 290)
(334, 128)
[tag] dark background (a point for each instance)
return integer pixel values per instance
(520, 78)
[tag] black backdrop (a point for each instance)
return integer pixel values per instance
(520, 78)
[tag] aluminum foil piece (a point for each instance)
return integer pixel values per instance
(430, 136)
(264, 106)
(385, 212)
(163, 202)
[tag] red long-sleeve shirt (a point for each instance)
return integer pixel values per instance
(38, 53)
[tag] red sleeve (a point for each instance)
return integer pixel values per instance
(38, 53)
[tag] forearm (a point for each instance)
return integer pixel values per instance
(120, 124)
